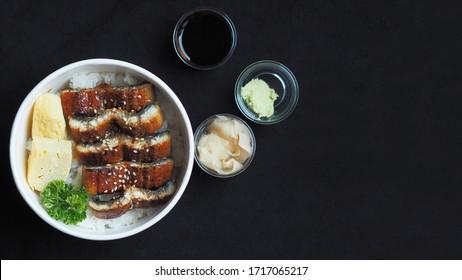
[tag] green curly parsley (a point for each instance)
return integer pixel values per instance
(65, 203)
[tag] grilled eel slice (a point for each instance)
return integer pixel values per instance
(116, 177)
(133, 197)
(90, 102)
(94, 129)
(124, 148)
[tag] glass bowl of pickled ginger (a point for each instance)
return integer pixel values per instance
(225, 145)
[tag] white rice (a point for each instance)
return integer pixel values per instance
(170, 122)
(129, 218)
(75, 174)
(29, 144)
(90, 80)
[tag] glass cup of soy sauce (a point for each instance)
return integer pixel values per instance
(204, 38)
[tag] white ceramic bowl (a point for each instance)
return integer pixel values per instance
(58, 80)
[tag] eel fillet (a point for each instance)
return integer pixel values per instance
(116, 177)
(124, 148)
(133, 197)
(95, 129)
(90, 102)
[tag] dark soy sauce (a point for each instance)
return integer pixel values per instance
(206, 38)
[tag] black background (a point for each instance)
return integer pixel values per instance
(368, 166)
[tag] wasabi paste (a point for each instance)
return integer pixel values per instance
(259, 97)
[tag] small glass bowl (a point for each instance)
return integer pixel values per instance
(183, 22)
(279, 78)
(202, 129)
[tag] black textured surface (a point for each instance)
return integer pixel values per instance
(369, 165)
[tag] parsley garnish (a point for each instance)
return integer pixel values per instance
(64, 202)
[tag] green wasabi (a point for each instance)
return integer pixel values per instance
(259, 97)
